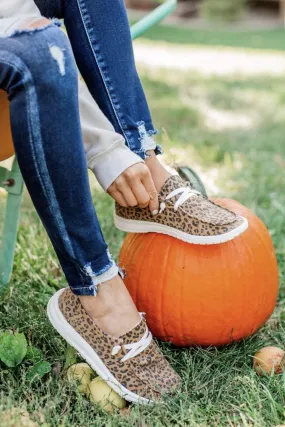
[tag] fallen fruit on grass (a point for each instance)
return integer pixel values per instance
(108, 399)
(269, 359)
(15, 417)
(80, 372)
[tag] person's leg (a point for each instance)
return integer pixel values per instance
(39, 74)
(102, 45)
(37, 71)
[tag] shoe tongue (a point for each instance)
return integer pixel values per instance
(172, 183)
(136, 333)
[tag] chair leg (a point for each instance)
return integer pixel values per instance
(14, 185)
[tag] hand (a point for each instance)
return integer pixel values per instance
(135, 187)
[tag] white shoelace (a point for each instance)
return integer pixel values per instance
(135, 348)
(186, 193)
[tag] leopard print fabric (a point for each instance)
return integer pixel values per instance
(148, 374)
(196, 216)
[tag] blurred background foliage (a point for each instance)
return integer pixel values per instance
(220, 10)
(223, 9)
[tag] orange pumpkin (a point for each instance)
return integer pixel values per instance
(203, 295)
(6, 144)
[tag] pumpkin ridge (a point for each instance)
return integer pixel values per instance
(162, 293)
(150, 242)
(141, 268)
(181, 323)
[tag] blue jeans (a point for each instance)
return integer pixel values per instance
(100, 37)
(38, 71)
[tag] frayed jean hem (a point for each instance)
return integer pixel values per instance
(143, 153)
(92, 290)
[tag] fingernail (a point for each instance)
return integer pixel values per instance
(154, 212)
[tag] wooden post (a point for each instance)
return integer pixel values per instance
(282, 12)
(10, 227)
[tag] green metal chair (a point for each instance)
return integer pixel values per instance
(12, 181)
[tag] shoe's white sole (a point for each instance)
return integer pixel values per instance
(87, 352)
(136, 226)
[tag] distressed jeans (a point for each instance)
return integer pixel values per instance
(100, 37)
(38, 71)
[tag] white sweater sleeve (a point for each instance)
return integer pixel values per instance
(106, 153)
(12, 12)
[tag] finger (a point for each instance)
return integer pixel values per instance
(154, 203)
(124, 188)
(117, 195)
(129, 196)
(141, 194)
(151, 190)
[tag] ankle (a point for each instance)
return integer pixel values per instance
(158, 172)
(95, 307)
(112, 309)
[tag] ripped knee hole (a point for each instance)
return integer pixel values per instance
(33, 23)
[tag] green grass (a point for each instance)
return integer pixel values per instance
(244, 159)
(256, 39)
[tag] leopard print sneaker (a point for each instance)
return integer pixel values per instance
(185, 214)
(132, 365)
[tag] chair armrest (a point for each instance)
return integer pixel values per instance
(153, 18)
